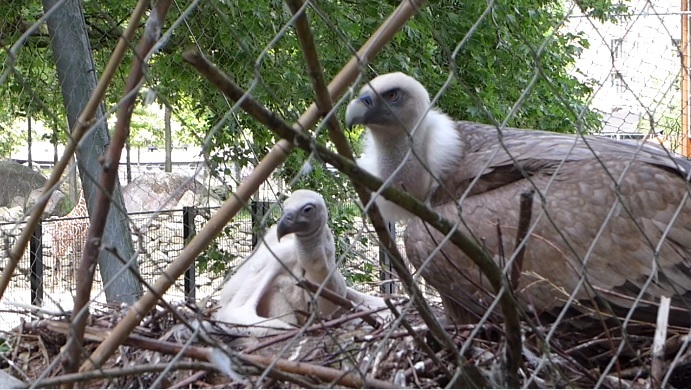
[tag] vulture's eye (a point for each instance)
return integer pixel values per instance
(392, 95)
(307, 209)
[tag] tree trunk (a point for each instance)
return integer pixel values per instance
(73, 183)
(28, 138)
(77, 77)
(128, 161)
(54, 140)
(169, 140)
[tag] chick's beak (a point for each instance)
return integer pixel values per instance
(286, 224)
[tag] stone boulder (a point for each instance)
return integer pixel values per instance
(21, 187)
(11, 214)
(151, 192)
(17, 180)
(56, 206)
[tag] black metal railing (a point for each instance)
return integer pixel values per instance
(46, 270)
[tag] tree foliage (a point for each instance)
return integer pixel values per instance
(514, 43)
(516, 65)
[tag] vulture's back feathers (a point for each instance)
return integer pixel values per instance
(577, 178)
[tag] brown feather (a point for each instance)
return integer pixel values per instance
(579, 190)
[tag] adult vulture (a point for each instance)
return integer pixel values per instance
(615, 214)
(262, 294)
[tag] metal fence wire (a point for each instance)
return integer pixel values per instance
(47, 276)
(148, 148)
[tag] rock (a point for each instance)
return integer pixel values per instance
(18, 201)
(154, 224)
(152, 245)
(159, 256)
(56, 206)
(150, 192)
(202, 280)
(187, 200)
(165, 232)
(17, 180)
(11, 214)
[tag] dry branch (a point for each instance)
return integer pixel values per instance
(328, 324)
(260, 173)
(524, 217)
(514, 349)
(323, 100)
(87, 266)
(419, 340)
(325, 374)
(335, 298)
(314, 69)
(124, 371)
(658, 350)
(487, 265)
(84, 122)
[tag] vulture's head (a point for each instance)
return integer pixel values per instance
(388, 102)
(304, 213)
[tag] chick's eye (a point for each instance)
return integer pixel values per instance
(307, 209)
(392, 95)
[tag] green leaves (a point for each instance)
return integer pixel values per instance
(515, 64)
(518, 58)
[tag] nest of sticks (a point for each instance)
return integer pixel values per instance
(344, 352)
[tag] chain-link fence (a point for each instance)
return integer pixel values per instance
(47, 272)
(520, 258)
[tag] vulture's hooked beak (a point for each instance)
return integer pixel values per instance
(287, 224)
(358, 110)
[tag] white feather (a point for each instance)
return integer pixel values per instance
(222, 362)
(442, 147)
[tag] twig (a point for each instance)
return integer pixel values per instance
(335, 298)
(275, 123)
(314, 69)
(425, 347)
(500, 245)
(524, 217)
(119, 372)
(514, 348)
(476, 253)
(87, 266)
(243, 193)
(189, 380)
(325, 374)
(323, 100)
(419, 329)
(658, 352)
(84, 121)
(291, 333)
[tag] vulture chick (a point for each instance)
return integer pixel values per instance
(263, 294)
(616, 214)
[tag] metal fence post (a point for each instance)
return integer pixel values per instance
(387, 272)
(258, 208)
(36, 265)
(188, 231)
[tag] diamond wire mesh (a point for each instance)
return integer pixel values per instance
(615, 74)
